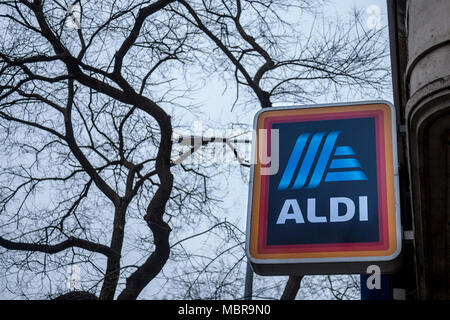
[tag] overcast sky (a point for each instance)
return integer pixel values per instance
(215, 102)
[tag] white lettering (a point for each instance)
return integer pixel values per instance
(291, 211)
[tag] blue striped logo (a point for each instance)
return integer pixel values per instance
(343, 166)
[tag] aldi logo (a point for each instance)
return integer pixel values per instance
(333, 198)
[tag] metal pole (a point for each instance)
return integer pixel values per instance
(248, 289)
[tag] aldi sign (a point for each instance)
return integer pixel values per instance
(324, 190)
